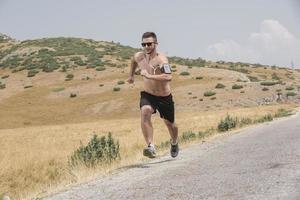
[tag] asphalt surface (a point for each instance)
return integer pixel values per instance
(261, 162)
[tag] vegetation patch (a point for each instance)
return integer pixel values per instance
(220, 86)
(236, 87)
(269, 83)
(209, 93)
(99, 151)
(185, 73)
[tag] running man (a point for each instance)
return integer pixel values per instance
(156, 73)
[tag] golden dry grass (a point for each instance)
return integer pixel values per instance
(35, 159)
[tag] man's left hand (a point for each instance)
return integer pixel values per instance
(144, 73)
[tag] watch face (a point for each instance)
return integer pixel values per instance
(166, 68)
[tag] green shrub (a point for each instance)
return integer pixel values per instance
(291, 94)
(32, 73)
(199, 77)
(236, 86)
(116, 89)
(69, 77)
(227, 123)
(5, 76)
(184, 73)
(269, 83)
(209, 93)
(289, 88)
(100, 68)
(2, 86)
(220, 85)
(28, 86)
(121, 82)
(73, 95)
(98, 151)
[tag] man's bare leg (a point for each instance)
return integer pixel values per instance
(147, 129)
(173, 131)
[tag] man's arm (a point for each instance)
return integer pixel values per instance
(158, 77)
(133, 66)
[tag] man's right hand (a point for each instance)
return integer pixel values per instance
(130, 79)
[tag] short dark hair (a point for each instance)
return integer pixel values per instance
(149, 34)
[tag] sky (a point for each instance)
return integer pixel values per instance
(256, 31)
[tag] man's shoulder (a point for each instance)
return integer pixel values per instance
(138, 55)
(162, 57)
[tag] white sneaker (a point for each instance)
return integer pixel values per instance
(149, 151)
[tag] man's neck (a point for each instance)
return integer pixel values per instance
(152, 54)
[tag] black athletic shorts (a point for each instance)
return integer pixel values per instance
(164, 104)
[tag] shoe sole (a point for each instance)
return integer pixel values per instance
(148, 154)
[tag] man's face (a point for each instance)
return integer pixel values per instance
(149, 45)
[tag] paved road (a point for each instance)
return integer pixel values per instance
(261, 163)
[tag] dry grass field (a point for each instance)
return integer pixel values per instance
(41, 125)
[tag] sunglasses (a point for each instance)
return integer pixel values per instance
(148, 44)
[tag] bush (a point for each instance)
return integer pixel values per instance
(227, 123)
(291, 94)
(199, 77)
(116, 89)
(28, 86)
(220, 85)
(69, 77)
(121, 82)
(265, 89)
(209, 93)
(236, 86)
(184, 73)
(32, 73)
(5, 76)
(269, 83)
(2, 86)
(289, 88)
(100, 68)
(98, 151)
(72, 95)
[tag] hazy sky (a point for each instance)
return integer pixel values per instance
(256, 31)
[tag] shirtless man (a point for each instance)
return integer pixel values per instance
(157, 95)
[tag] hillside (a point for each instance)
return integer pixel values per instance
(70, 80)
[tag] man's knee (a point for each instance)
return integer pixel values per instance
(170, 124)
(146, 112)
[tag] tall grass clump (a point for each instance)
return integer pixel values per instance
(227, 123)
(103, 150)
